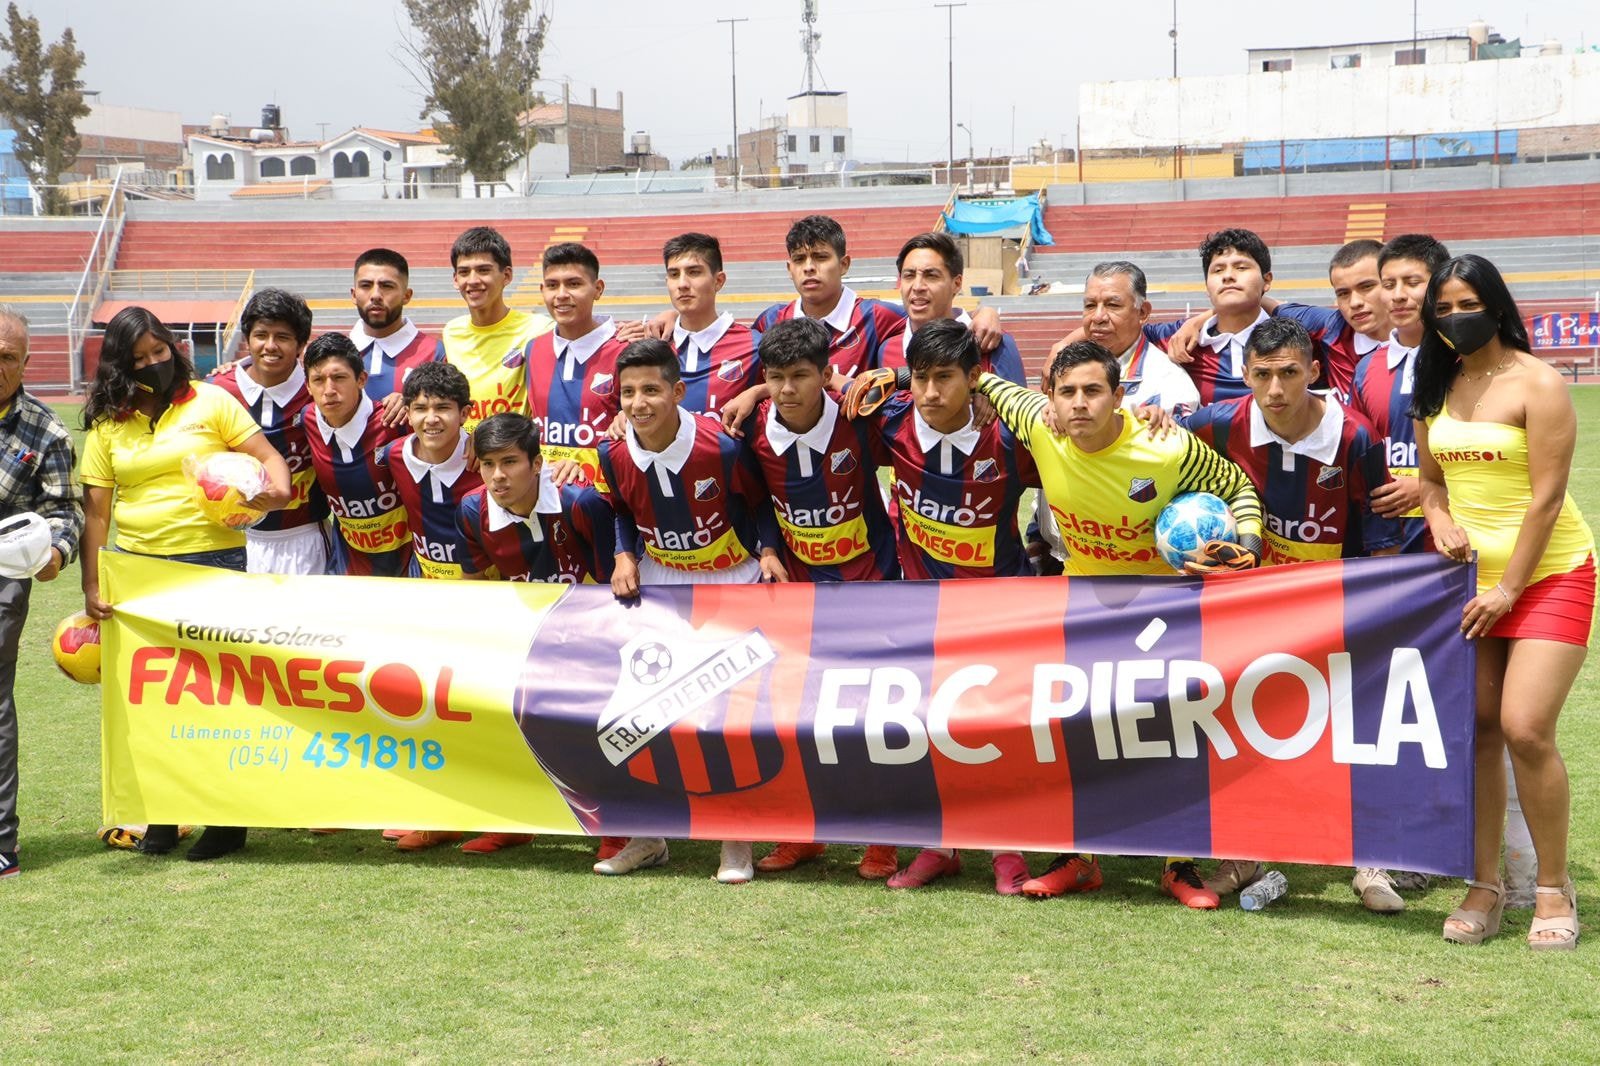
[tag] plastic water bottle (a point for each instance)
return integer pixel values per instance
(1269, 887)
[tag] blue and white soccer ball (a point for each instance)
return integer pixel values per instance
(650, 663)
(1185, 525)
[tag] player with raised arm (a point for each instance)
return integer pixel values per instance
(1106, 480)
(390, 344)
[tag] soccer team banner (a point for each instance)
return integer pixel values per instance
(1315, 713)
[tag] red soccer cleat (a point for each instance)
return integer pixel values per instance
(879, 861)
(928, 866)
(489, 843)
(1070, 872)
(788, 856)
(1010, 873)
(1181, 881)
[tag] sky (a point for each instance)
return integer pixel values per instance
(1018, 63)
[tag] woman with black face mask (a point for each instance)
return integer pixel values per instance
(144, 416)
(1495, 436)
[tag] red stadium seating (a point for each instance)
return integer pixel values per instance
(44, 251)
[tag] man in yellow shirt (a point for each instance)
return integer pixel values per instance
(486, 343)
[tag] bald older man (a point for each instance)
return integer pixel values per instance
(36, 464)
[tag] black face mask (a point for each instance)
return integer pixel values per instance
(1467, 331)
(156, 377)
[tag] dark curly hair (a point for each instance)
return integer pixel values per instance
(113, 393)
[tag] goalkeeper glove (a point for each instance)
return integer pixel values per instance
(1222, 557)
(872, 388)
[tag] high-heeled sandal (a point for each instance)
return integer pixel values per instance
(1481, 925)
(1565, 924)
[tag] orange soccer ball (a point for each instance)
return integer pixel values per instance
(223, 481)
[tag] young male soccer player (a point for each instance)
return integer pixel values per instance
(824, 488)
(389, 342)
(344, 429)
(930, 270)
(1108, 527)
(1314, 464)
(717, 355)
(486, 343)
(271, 384)
(690, 509)
(1382, 388)
(958, 488)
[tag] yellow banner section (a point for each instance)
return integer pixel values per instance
(312, 701)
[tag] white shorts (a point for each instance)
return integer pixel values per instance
(653, 573)
(301, 550)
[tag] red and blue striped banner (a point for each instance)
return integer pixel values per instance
(1318, 713)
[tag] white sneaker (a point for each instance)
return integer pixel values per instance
(1376, 889)
(738, 862)
(1233, 874)
(640, 853)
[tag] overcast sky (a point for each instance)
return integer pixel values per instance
(1018, 63)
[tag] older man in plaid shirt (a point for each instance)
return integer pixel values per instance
(36, 464)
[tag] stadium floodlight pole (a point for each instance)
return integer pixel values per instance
(733, 69)
(950, 58)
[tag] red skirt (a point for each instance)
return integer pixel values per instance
(1559, 607)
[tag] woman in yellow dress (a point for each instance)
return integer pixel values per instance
(1495, 436)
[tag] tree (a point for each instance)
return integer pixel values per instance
(476, 61)
(43, 118)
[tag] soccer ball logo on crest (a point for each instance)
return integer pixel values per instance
(650, 663)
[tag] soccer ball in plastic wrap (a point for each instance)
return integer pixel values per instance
(1188, 522)
(223, 481)
(24, 545)
(76, 646)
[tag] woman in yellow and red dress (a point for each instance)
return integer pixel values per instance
(1495, 437)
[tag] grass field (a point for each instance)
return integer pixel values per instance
(339, 949)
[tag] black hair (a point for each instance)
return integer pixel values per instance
(1419, 246)
(703, 245)
(942, 342)
(1111, 268)
(386, 257)
(1437, 363)
(938, 243)
(113, 392)
(1079, 353)
(1352, 252)
(814, 230)
(1276, 334)
(277, 305)
(571, 253)
(796, 340)
(647, 353)
(334, 346)
(481, 240)
(508, 429)
(1242, 241)
(444, 380)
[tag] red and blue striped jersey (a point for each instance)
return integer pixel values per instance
(431, 495)
(1382, 395)
(957, 499)
(1316, 497)
(716, 371)
(1218, 374)
(389, 359)
(373, 538)
(572, 397)
(504, 546)
(277, 411)
(824, 491)
(858, 328)
(699, 508)
(1339, 346)
(586, 536)
(1006, 360)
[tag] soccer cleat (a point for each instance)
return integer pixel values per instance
(609, 846)
(640, 853)
(123, 837)
(928, 866)
(1070, 872)
(737, 865)
(159, 839)
(489, 843)
(422, 839)
(788, 856)
(8, 864)
(1409, 880)
(391, 835)
(1181, 881)
(1233, 874)
(215, 842)
(879, 861)
(1010, 873)
(1376, 889)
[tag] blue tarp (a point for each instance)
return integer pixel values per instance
(972, 217)
(1266, 156)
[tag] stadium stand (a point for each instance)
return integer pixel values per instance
(53, 250)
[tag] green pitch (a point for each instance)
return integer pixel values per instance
(339, 949)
